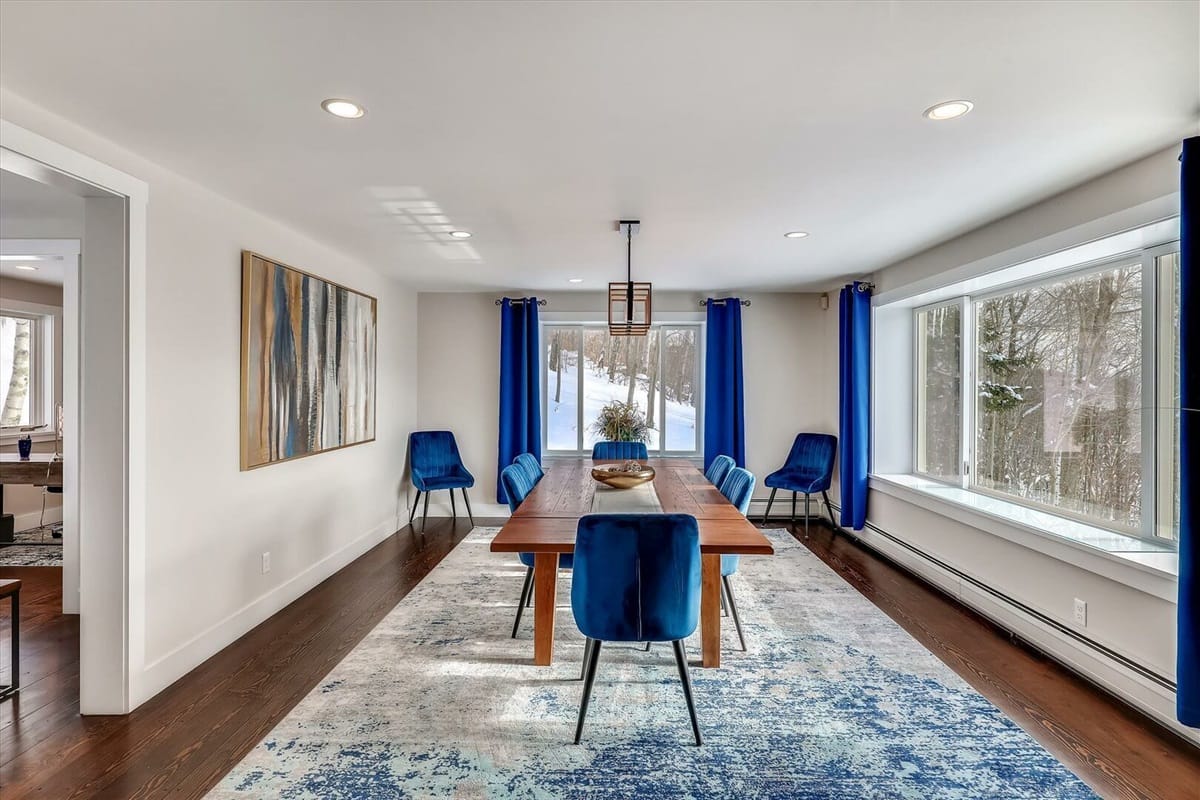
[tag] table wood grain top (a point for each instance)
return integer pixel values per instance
(546, 521)
(40, 469)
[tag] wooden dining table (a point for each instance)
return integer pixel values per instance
(546, 521)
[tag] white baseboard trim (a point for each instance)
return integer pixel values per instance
(1125, 684)
(439, 506)
(29, 520)
(165, 670)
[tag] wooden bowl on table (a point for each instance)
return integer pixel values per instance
(623, 476)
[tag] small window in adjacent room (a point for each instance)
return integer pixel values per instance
(23, 376)
(939, 392)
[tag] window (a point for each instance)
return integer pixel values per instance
(24, 373)
(586, 368)
(939, 392)
(1060, 393)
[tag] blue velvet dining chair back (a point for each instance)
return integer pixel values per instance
(718, 469)
(738, 488)
(619, 451)
(637, 579)
(517, 484)
(435, 464)
(530, 463)
(808, 469)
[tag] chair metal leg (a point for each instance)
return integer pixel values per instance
(526, 592)
(587, 655)
(425, 513)
(829, 508)
(770, 500)
(737, 621)
(467, 500)
(648, 646)
(453, 508)
(793, 508)
(589, 679)
(686, 678)
(806, 515)
(529, 602)
(413, 512)
(724, 607)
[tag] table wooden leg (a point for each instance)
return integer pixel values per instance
(710, 609)
(545, 595)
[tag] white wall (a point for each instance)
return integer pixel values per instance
(1134, 623)
(459, 341)
(207, 522)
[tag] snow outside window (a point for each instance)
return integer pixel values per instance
(659, 372)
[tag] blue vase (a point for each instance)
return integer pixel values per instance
(25, 447)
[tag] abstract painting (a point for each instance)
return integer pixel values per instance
(308, 364)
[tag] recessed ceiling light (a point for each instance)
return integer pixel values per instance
(26, 267)
(346, 109)
(948, 110)
(574, 280)
(460, 234)
(795, 234)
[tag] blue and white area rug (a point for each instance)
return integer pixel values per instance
(833, 701)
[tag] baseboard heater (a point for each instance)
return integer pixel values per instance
(1107, 652)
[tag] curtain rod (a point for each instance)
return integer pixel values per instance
(721, 302)
(517, 301)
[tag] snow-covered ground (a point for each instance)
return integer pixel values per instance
(562, 419)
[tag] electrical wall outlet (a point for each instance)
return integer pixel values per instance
(1081, 612)
(266, 563)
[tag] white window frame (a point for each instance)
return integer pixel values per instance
(581, 327)
(41, 369)
(1157, 509)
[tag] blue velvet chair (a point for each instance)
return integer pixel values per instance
(517, 485)
(637, 579)
(435, 464)
(809, 469)
(531, 466)
(738, 488)
(718, 469)
(619, 451)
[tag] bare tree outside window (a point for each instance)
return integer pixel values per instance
(939, 392)
(1058, 395)
(15, 367)
(587, 368)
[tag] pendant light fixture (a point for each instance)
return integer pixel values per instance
(629, 302)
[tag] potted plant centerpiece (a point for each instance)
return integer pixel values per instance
(622, 422)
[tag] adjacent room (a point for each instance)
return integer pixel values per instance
(600, 399)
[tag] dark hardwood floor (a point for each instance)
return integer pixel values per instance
(180, 743)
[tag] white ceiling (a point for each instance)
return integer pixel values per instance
(32, 210)
(536, 125)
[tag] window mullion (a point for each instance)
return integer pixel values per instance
(967, 388)
(579, 370)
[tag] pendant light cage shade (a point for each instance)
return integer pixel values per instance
(629, 308)
(629, 300)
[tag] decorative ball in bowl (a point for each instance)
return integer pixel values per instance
(623, 476)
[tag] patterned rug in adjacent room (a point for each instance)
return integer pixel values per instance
(35, 547)
(833, 701)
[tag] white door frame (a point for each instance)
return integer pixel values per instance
(109, 449)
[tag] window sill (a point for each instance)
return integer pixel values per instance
(10, 437)
(1126, 559)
